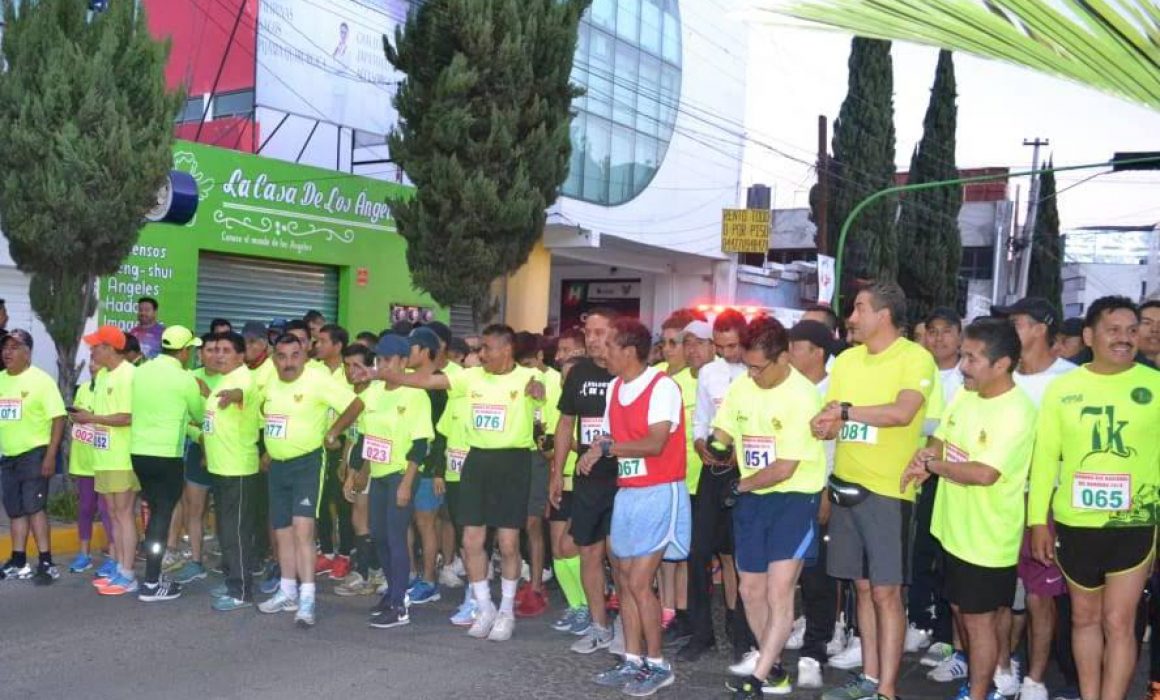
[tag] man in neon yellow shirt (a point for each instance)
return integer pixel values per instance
(982, 452)
(765, 417)
(229, 435)
(1097, 440)
(296, 417)
(31, 425)
(335, 532)
(877, 403)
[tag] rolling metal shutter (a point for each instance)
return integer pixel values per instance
(462, 320)
(254, 289)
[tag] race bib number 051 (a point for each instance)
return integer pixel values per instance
(489, 417)
(11, 409)
(853, 431)
(276, 426)
(628, 468)
(758, 452)
(1091, 491)
(376, 450)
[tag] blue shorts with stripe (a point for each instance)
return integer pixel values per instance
(774, 527)
(649, 519)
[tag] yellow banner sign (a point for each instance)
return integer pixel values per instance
(745, 230)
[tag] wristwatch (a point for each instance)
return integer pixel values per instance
(606, 448)
(846, 406)
(926, 463)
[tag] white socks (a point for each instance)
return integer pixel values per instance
(507, 602)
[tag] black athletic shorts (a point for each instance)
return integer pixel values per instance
(493, 491)
(1087, 556)
(591, 509)
(977, 589)
(25, 490)
(451, 501)
(564, 512)
(295, 488)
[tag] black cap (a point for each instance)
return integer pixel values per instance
(1072, 327)
(440, 329)
(254, 329)
(815, 332)
(944, 313)
(19, 335)
(459, 345)
(1037, 308)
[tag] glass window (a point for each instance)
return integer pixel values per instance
(603, 13)
(651, 26)
(647, 161)
(628, 20)
(232, 104)
(597, 137)
(625, 85)
(620, 168)
(672, 33)
(192, 110)
(648, 98)
(575, 179)
(600, 74)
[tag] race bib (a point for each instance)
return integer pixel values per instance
(630, 467)
(853, 431)
(82, 434)
(758, 452)
(591, 429)
(489, 417)
(455, 460)
(376, 450)
(276, 426)
(207, 423)
(1091, 491)
(100, 437)
(11, 409)
(954, 453)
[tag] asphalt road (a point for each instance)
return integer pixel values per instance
(67, 641)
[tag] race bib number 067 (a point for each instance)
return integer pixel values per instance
(628, 468)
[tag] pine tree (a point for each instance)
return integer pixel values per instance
(483, 134)
(1045, 278)
(85, 143)
(929, 246)
(863, 147)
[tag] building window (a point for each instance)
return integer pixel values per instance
(786, 256)
(192, 110)
(233, 104)
(628, 60)
(978, 262)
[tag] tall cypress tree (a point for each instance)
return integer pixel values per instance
(1045, 278)
(863, 147)
(484, 116)
(929, 245)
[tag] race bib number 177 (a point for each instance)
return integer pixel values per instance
(276, 426)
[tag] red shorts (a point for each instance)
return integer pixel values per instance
(1040, 580)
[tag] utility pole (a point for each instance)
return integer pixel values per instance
(1032, 213)
(823, 234)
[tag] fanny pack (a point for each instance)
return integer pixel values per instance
(846, 493)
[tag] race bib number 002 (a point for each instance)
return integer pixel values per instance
(489, 417)
(376, 450)
(82, 434)
(629, 468)
(758, 452)
(455, 460)
(100, 437)
(591, 429)
(853, 431)
(1090, 491)
(11, 409)
(276, 426)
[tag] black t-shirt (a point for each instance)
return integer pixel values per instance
(583, 396)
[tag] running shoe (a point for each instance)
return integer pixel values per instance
(466, 614)
(423, 592)
(850, 657)
(323, 565)
(219, 591)
(378, 579)
(954, 668)
(747, 666)
(564, 622)
(534, 604)
(305, 615)
(354, 585)
(481, 627)
(965, 693)
(458, 569)
(448, 579)
(1031, 690)
(858, 687)
(172, 561)
(582, 623)
(809, 673)
(189, 572)
(502, 628)
(749, 689)
(677, 633)
(270, 584)
(392, 617)
(45, 574)
(778, 682)
(80, 564)
(936, 654)
(595, 639)
(618, 676)
(108, 569)
(13, 572)
(119, 585)
(1007, 682)
(341, 567)
(1066, 694)
(797, 634)
(279, 603)
(648, 680)
(916, 639)
(161, 591)
(229, 604)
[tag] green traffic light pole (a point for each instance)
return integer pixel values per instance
(837, 300)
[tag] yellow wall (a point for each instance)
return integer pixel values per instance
(528, 291)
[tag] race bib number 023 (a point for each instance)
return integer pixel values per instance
(758, 452)
(853, 431)
(376, 450)
(1111, 492)
(489, 417)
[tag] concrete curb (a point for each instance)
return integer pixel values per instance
(63, 538)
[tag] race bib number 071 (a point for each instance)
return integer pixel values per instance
(853, 431)
(11, 409)
(1110, 492)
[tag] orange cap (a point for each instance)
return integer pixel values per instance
(107, 335)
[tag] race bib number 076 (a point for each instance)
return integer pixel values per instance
(853, 431)
(1111, 492)
(489, 417)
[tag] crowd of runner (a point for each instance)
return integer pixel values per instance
(962, 494)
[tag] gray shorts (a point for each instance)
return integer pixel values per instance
(871, 541)
(25, 491)
(538, 492)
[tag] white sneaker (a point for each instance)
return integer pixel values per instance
(279, 603)
(797, 635)
(1007, 682)
(458, 569)
(525, 571)
(953, 668)
(916, 639)
(747, 665)
(809, 674)
(1030, 690)
(850, 657)
(448, 579)
(481, 628)
(837, 643)
(502, 628)
(936, 654)
(548, 575)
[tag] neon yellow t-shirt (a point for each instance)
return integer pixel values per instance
(983, 525)
(452, 426)
(230, 434)
(29, 402)
(166, 397)
(553, 388)
(392, 420)
(295, 415)
(1106, 430)
(688, 384)
(871, 456)
(264, 374)
(771, 424)
(500, 414)
(112, 395)
(80, 451)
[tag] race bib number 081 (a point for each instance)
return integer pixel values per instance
(853, 431)
(1110, 492)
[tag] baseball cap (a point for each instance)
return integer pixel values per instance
(441, 330)
(107, 335)
(815, 332)
(254, 329)
(1037, 308)
(19, 335)
(424, 338)
(179, 338)
(1072, 327)
(278, 324)
(944, 313)
(701, 330)
(393, 346)
(459, 345)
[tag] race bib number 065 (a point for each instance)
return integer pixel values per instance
(853, 431)
(1091, 491)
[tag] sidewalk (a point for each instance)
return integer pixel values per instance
(64, 538)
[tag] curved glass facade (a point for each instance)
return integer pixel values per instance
(628, 58)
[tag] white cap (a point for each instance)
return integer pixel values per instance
(701, 330)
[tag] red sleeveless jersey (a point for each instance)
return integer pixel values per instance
(629, 423)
